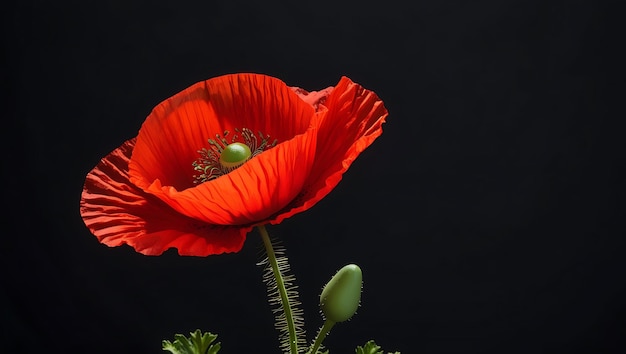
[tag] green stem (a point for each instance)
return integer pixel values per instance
(280, 283)
(321, 335)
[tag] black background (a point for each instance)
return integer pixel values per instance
(488, 217)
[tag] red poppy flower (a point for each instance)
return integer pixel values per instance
(171, 186)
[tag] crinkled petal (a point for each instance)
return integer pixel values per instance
(169, 140)
(258, 189)
(351, 122)
(315, 98)
(143, 195)
(119, 213)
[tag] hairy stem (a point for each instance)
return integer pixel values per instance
(321, 335)
(280, 283)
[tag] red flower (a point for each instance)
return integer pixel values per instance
(167, 187)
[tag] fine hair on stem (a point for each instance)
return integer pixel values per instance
(283, 295)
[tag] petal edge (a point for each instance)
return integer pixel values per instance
(118, 213)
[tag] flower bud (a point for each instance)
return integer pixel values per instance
(341, 296)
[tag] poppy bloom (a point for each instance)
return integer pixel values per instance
(223, 156)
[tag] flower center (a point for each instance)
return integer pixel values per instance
(234, 155)
(223, 156)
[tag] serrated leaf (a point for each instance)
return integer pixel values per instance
(371, 348)
(197, 343)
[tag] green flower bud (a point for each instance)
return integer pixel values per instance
(341, 296)
(234, 155)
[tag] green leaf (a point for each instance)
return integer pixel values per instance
(371, 348)
(197, 343)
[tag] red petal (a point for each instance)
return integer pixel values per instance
(314, 98)
(253, 192)
(119, 213)
(352, 122)
(169, 139)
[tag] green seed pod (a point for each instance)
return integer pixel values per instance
(234, 155)
(341, 296)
